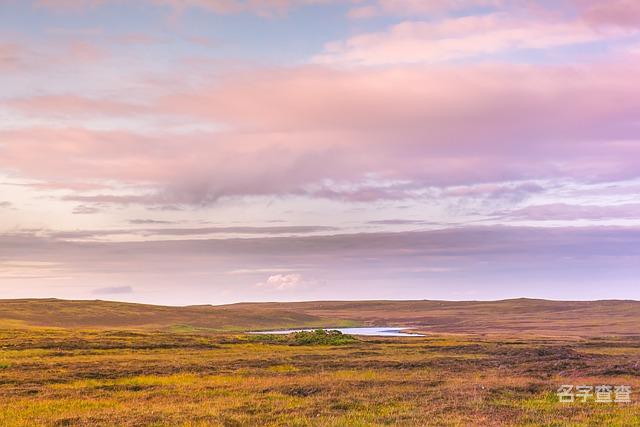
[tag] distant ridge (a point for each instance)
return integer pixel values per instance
(512, 316)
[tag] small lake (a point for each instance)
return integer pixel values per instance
(374, 332)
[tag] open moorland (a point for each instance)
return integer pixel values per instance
(100, 363)
(516, 316)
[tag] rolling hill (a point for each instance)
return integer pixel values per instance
(518, 316)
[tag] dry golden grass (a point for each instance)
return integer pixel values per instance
(58, 377)
(108, 314)
(508, 318)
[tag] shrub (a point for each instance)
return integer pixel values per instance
(317, 337)
(322, 337)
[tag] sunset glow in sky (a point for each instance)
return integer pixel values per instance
(214, 151)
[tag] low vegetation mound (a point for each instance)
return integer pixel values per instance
(317, 337)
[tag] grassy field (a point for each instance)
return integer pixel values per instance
(108, 314)
(509, 317)
(195, 375)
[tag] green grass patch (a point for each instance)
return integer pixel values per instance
(317, 337)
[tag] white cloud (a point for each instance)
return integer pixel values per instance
(283, 282)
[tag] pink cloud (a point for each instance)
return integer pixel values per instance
(442, 8)
(610, 12)
(86, 52)
(420, 7)
(363, 12)
(511, 192)
(74, 105)
(414, 112)
(304, 130)
(86, 210)
(620, 13)
(35, 62)
(260, 7)
(10, 56)
(68, 5)
(456, 38)
(567, 212)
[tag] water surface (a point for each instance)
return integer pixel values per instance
(376, 331)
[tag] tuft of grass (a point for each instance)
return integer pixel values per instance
(283, 369)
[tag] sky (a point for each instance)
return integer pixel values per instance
(215, 151)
